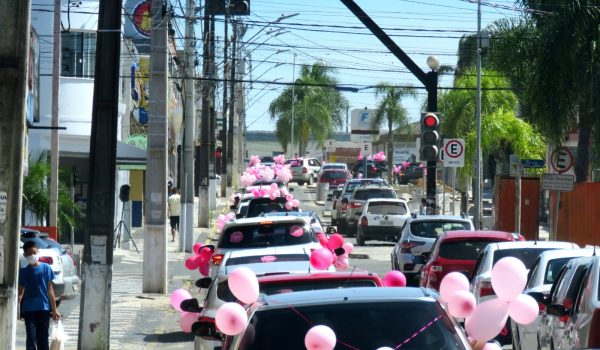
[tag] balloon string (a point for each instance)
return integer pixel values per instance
(418, 332)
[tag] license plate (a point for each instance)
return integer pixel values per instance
(386, 223)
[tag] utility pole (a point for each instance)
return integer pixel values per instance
(14, 56)
(155, 196)
(293, 106)
(94, 317)
(230, 129)
(212, 182)
(477, 187)
(186, 238)
(226, 173)
(204, 154)
(54, 151)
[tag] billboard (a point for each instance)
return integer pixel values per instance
(138, 21)
(362, 126)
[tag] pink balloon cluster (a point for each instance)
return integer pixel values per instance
(247, 179)
(334, 252)
(254, 160)
(320, 338)
(187, 318)
(231, 318)
(291, 202)
(256, 171)
(379, 157)
(200, 259)
(224, 219)
(397, 169)
(280, 159)
(360, 156)
(484, 321)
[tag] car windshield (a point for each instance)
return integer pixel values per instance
(367, 194)
(553, 268)
(387, 208)
(526, 255)
(432, 229)
(366, 325)
(462, 250)
(334, 175)
(267, 235)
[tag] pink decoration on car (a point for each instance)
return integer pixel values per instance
(268, 258)
(236, 237)
(296, 231)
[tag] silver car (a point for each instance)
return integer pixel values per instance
(304, 170)
(418, 236)
(359, 199)
(361, 318)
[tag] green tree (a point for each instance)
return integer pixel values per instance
(391, 113)
(318, 108)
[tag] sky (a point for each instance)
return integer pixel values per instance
(326, 31)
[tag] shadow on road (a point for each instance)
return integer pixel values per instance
(173, 337)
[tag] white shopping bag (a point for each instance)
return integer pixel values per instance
(58, 337)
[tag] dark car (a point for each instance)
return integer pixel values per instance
(374, 169)
(333, 177)
(410, 173)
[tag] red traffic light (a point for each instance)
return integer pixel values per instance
(431, 120)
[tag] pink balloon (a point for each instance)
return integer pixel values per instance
(272, 196)
(342, 263)
(205, 253)
(524, 309)
(289, 197)
(274, 187)
(178, 296)
(394, 279)
(348, 247)
(192, 262)
(320, 338)
(295, 203)
(492, 346)
(509, 277)
(452, 283)
(187, 320)
(204, 269)
(243, 284)
(322, 238)
(335, 241)
(231, 318)
(488, 319)
(321, 258)
(288, 205)
(461, 304)
(196, 248)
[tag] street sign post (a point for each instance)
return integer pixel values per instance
(532, 163)
(557, 183)
(454, 153)
(330, 145)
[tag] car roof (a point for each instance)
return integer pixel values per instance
(530, 244)
(465, 234)
(342, 295)
(386, 200)
(566, 253)
(425, 218)
(260, 219)
(377, 179)
(373, 186)
(336, 164)
(341, 275)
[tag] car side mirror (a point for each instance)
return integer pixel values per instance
(556, 310)
(539, 297)
(206, 330)
(204, 282)
(419, 259)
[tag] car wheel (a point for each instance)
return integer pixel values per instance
(360, 238)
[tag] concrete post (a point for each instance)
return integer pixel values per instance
(204, 154)
(54, 151)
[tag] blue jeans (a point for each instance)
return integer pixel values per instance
(36, 326)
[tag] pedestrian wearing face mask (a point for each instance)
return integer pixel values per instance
(36, 295)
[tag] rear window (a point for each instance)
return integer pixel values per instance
(334, 175)
(352, 185)
(432, 229)
(526, 255)
(295, 162)
(334, 166)
(387, 208)
(260, 206)
(360, 325)
(462, 250)
(553, 269)
(263, 259)
(306, 285)
(365, 195)
(266, 235)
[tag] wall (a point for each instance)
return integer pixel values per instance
(579, 214)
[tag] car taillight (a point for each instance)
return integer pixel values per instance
(355, 205)
(217, 259)
(406, 246)
(364, 221)
(594, 336)
(46, 259)
(485, 289)
(304, 170)
(542, 307)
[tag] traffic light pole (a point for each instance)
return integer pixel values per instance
(432, 79)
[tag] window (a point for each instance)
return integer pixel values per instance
(526, 255)
(387, 208)
(266, 235)
(462, 250)
(432, 229)
(367, 194)
(334, 175)
(78, 54)
(553, 268)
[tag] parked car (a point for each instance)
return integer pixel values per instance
(382, 219)
(418, 236)
(359, 198)
(304, 170)
(543, 274)
(264, 232)
(338, 215)
(334, 166)
(457, 251)
(410, 173)
(334, 177)
(331, 200)
(572, 315)
(527, 252)
(362, 318)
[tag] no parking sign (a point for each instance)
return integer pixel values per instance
(454, 153)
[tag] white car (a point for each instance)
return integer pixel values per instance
(304, 170)
(527, 252)
(382, 219)
(542, 275)
(264, 232)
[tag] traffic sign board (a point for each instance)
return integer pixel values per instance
(532, 163)
(366, 148)
(561, 160)
(330, 145)
(454, 153)
(558, 182)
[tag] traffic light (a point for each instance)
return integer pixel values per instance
(215, 7)
(430, 137)
(239, 7)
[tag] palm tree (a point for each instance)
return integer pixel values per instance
(390, 112)
(319, 108)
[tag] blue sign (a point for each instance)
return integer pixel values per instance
(532, 163)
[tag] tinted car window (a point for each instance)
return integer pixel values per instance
(360, 325)
(295, 162)
(265, 205)
(39, 242)
(373, 193)
(334, 175)
(266, 235)
(462, 250)
(526, 255)
(305, 285)
(432, 229)
(553, 269)
(352, 185)
(387, 208)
